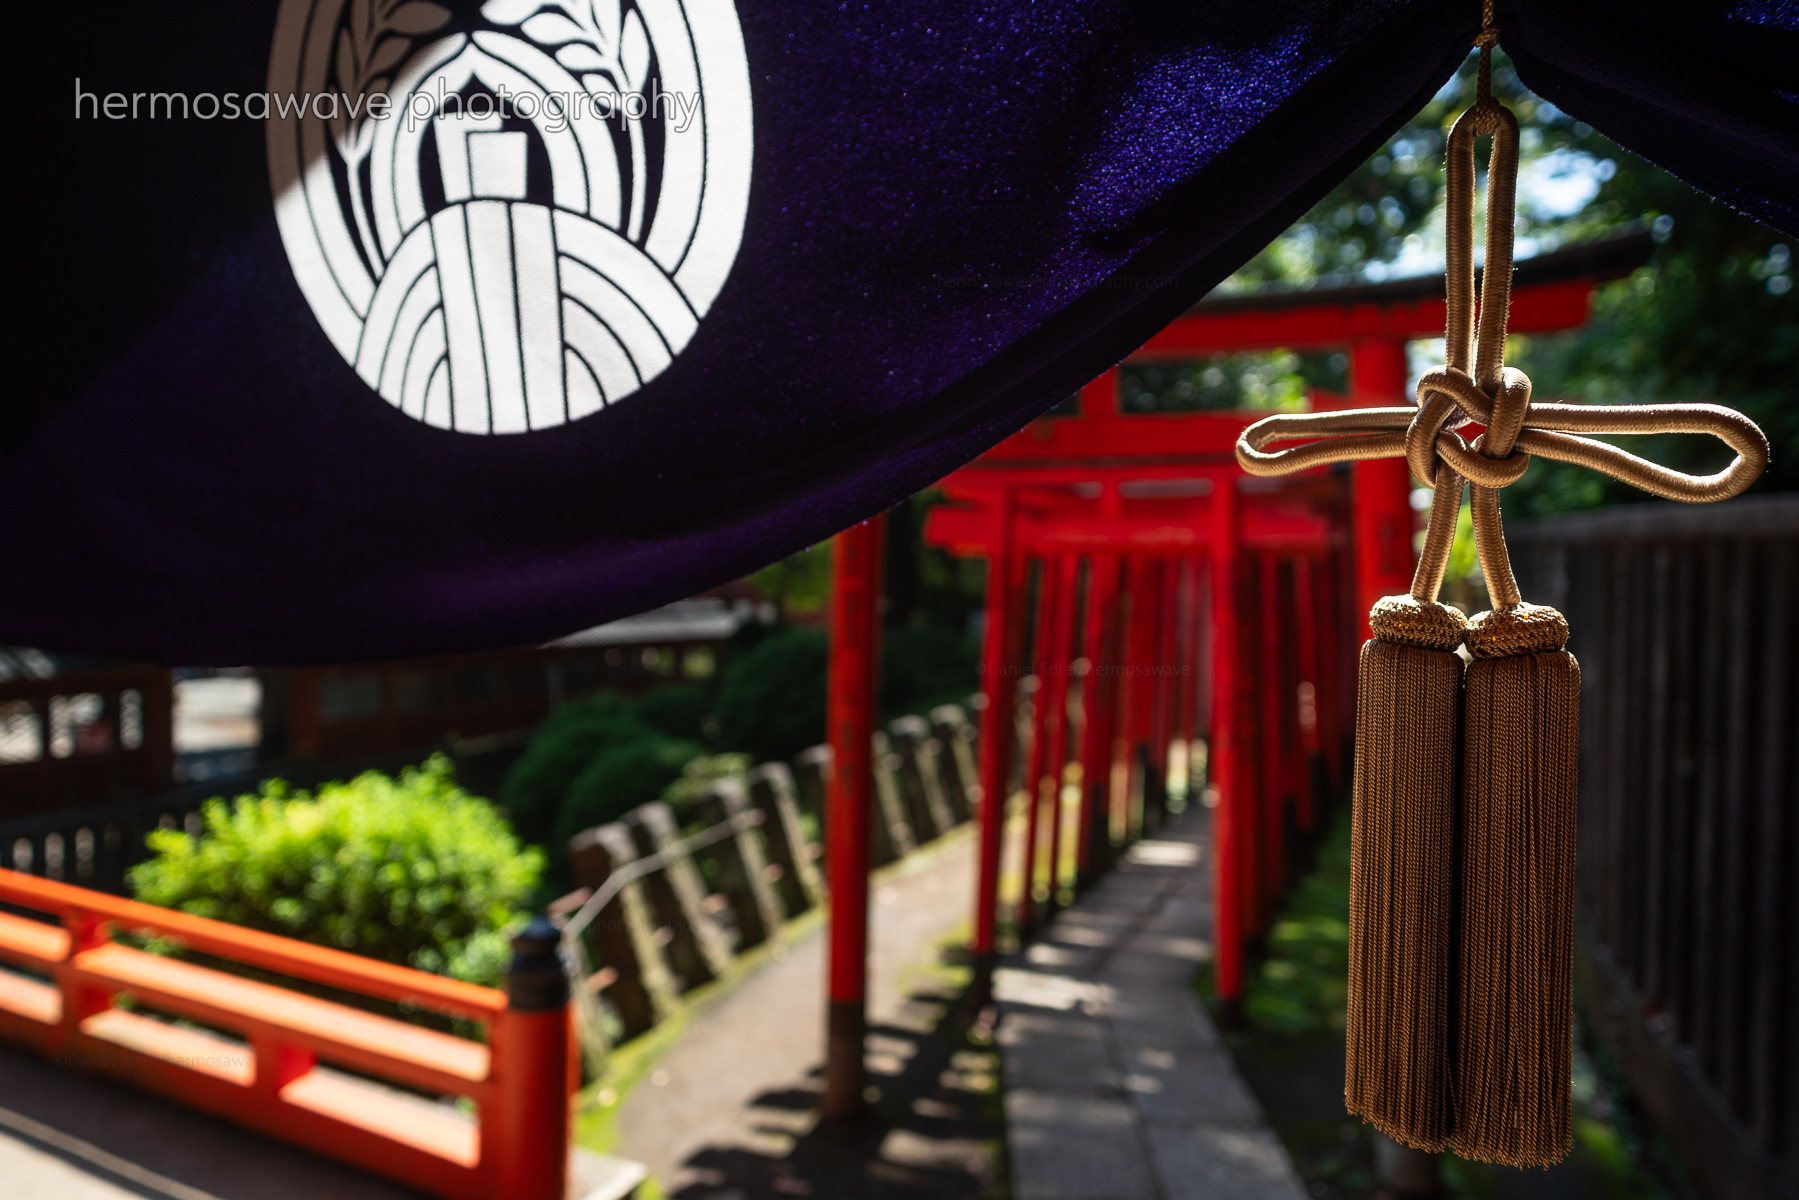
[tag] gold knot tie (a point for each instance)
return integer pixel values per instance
(1489, 393)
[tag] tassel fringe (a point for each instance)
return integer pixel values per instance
(1522, 713)
(1401, 872)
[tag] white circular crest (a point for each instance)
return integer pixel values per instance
(532, 224)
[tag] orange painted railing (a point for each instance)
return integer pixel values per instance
(292, 1066)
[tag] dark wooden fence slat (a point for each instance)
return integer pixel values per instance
(1743, 642)
(1677, 991)
(1774, 949)
(1616, 624)
(1657, 599)
(1705, 843)
(1631, 773)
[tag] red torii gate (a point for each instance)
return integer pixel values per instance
(1129, 557)
(1149, 530)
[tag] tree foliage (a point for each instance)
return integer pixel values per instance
(799, 584)
(924, 665)
(1712, 317)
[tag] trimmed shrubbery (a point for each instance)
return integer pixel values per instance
(677, 711)
(923, 666)
(771, 702)
(619, 779)
(577, 733)
(412, 870)
(599, 757)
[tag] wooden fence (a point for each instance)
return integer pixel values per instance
(660, 911)
(95, 847)
(1684, 623)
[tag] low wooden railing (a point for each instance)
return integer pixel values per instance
(640, 929)
(294, 1066)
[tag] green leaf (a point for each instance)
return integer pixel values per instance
(356, 865)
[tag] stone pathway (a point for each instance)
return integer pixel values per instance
(730, 1111)
(1116, 1084)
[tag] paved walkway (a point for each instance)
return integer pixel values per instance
(1117, 1087)
(726, 1110)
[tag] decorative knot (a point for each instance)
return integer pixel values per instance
(1359, 434)
(1496, 396)
(1446, 394)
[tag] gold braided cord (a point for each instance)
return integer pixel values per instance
(1359, 434)
(1527, 423)
(1439, 536)
(1460, 981)
(1490, 117)
(1486, 391)
(1521, 714)
(1399, 1037)
(1486, 39)
(1726, 424)
(1489, 543)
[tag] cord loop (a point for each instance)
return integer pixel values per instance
(1485, 391)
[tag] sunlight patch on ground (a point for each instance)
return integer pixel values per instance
(1150, 853)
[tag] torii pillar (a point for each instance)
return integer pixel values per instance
(856, 556)
(1382, 489)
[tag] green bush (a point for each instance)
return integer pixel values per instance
(576, 734)
(771, 702)
(618, 780)
(677, 711)
(927, 665)
(411, 870)
(1301, 984)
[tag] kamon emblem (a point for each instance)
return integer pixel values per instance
(533, 224)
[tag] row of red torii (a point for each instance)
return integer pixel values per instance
(1135, 570)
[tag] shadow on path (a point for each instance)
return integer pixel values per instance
(933, 1130)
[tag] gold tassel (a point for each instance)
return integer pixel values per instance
(1506, 785)
(1408, 704)
(1521, 716)
(1519, 756)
